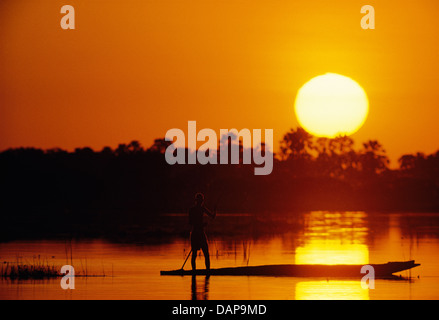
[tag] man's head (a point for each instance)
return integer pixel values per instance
(199, 199)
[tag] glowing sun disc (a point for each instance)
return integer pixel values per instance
(330, 105)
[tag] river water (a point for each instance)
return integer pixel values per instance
(132, 271)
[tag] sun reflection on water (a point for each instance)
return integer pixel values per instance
(332, 252)
(331, 290)
(333, 238)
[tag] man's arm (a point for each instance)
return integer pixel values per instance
(209, 213)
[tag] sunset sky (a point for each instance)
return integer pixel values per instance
(134, 69)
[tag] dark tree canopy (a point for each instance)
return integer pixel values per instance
(52, 188)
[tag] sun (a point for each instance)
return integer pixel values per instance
(330, 105)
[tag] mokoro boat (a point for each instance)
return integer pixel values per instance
(301, 270)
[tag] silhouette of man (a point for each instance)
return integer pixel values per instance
(198, 236)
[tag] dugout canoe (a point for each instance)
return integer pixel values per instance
(301, 270)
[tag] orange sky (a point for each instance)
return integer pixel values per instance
(134, 69)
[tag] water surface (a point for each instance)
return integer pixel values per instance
(132, 271)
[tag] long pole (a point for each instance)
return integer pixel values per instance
(186, 259)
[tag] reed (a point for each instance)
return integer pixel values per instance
(29, 271)
(39, 269)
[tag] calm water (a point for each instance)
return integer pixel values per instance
(132, 270)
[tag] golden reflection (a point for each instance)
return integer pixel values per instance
(333, 238)
(332, 252)
(331, 290)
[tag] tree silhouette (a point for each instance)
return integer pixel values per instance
(112, 190)
(160, 146)
(373, 158)
(296, 144)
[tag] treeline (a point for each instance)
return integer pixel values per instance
(131, 184)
